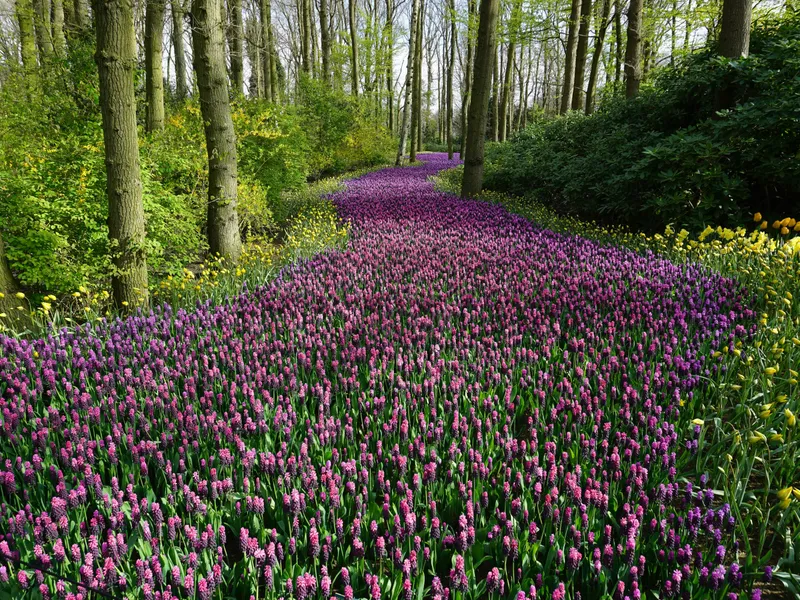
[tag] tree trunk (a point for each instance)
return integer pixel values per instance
(412, 42)
(467, 95)
(617, 43)
(687, 31)
(24, 12)
(734, 36)
(390, 62)
(502, 117)
(495, 96)
(41, 19)
(325, 40)
(450, 69)
(181, 86)
(598, 52)
(277, 74)
(253, 39)
(236, 46)
(116, 64)
(351, 4)
(308, 61)
(472, 182)
(572, 48)
(7, 282)
(633, 51)
(266, 56)
(580, 56)
(154, 76)
(81, 12)
(416, 94)
(59, 39)
(209, 64)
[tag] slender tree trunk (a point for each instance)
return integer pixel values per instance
(154, 75)
(598, 53)
(495, 96)
(450, 69)
(59, 39)
(181, 85)
(351, 5)
(253, 40)
(734, 36)
(277, 78)
(390, 62)
(325, 41)
(633, 52)
(308, 44)
(81, 12)
(687, 33)
(506, 93)
(42, 23)
(409, 84)
(116, 63)
(265, 8)
(617, 44)
(466, 96)
(236, 46)
(209, 65)
(580, 56)
(572, 48)
(673, 32)
(416, 105)
(473, 163)
(24, 13)
(7, 282)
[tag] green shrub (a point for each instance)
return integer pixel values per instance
(668, 156)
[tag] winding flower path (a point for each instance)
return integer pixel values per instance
(458, 400)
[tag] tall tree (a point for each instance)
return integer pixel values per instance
(389, 76)
(81, 12)
(236, 46)
(580, 55)
(507, 102)
(495, 96)
(416, 105)
(325, 40)
(351, 4)
(212, 82)
(178, 13)
(59, 39)
(450, 68)
(617, 43)
(265, 7)
(467, 83)
(633, 51)
(27, 37)
(153, 58)
(734, 35)
(602, 27)
(253, 38)
(41, 17)
(116, 65)
(572, 49)
(408, 87)
(472, 182)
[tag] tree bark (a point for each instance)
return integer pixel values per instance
(253, 38)
(495, 97)
(502, 117)
(633, 51)
(266, 55)
(580, 55)
(617, 43)
(81, 11)
(236, 46)
(154, 76)
(209, 64)
(598, 53)
(7, 282)
(734, 36)
(466, 96)
(24, 13)
(572, 48)
(181, 86)
(325, 40)
(450, 69)
(390, 62)
(472, 182)
(351, 4)
(116, 63)
(41, 19)
(412, 42)
(416, 94)
(59, 39)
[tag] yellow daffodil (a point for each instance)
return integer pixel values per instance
(791, 420)
(757, 217)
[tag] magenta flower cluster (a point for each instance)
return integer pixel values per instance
(458, 405)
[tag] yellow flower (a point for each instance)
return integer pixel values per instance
(770, 371)
(46, 306)
(776, 225)
(763, 225)
(698, 422)
(20, 295)
(791, 420)
(785, 493)
(757, 438)
(757, 217)
(784, 231)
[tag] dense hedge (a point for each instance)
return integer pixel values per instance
(669, 155)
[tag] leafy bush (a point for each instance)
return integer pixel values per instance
(669, 156)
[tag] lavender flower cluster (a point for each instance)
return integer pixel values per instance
(458, 405)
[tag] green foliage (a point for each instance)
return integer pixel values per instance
(669, 155)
